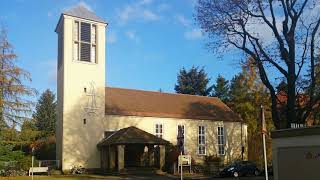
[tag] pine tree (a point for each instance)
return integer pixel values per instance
(45, 114)
(221, 89)
(29, 131)
(14, 107)
(193, 81)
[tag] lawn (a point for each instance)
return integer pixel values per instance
(60, 177)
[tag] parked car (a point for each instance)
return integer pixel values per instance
(240, 168)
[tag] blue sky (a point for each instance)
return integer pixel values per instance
(148, 41)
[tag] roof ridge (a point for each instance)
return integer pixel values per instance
(81, 11)
(179, 94)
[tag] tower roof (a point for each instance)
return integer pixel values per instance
(82, 12)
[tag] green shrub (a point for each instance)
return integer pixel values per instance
(26, 162)
(210, 161)
(45, 149)
(172, 154)
(7, 154)
(212, 158)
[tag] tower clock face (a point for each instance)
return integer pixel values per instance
(91, 107)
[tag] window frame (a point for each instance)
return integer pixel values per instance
(157, 133)
(221, 141)
(202, 133)
(78, 41)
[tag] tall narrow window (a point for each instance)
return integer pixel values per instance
(158, 130)
(85, 32)
(221, 140)
(201, 140)
(84, 42)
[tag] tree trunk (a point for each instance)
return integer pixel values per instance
(274, 111)
(291, 96)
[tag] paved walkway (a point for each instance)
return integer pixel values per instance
(127, 177)
(191, 177)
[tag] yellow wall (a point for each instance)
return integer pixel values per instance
(77, 142)
(170, 125)
(74, 146)
(82, 145)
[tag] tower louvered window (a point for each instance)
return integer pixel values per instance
(84, 42)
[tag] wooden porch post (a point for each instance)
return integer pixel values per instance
(120, 157)
(162, 156)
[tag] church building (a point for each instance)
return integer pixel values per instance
(109, 128)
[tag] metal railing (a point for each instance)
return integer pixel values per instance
(296, 125)
(49, 163)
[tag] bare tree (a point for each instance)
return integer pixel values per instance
(14, 103)
(280, 35)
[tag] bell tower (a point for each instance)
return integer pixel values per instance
(80, 87)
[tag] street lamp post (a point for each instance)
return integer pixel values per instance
(264, 131)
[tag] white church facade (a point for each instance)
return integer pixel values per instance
(107, 128)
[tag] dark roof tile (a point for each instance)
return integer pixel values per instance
(156, 104)
(131, 135)
(82, 12)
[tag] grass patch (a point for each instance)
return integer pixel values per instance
(59, 177)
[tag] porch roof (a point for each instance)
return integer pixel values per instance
(131, 135)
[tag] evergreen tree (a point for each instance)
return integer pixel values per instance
(193, 81)
(247, 94)
(282, 87)
(29, 131)
(221, 89)
(14, 108)
(45, 114)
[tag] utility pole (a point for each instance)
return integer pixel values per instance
(264, 131)
(181, 172)
(180, 140)
(32, 161)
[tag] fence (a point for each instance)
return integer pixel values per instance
(49, 163)
(296, 125)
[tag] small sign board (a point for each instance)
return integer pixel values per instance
(184, 160)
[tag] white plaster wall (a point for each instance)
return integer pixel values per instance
(77, 146)
(76, 142)
(299, 141)
(170, 125)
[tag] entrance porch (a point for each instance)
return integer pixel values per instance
(131, 148)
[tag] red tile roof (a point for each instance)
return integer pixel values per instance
(130, 102)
